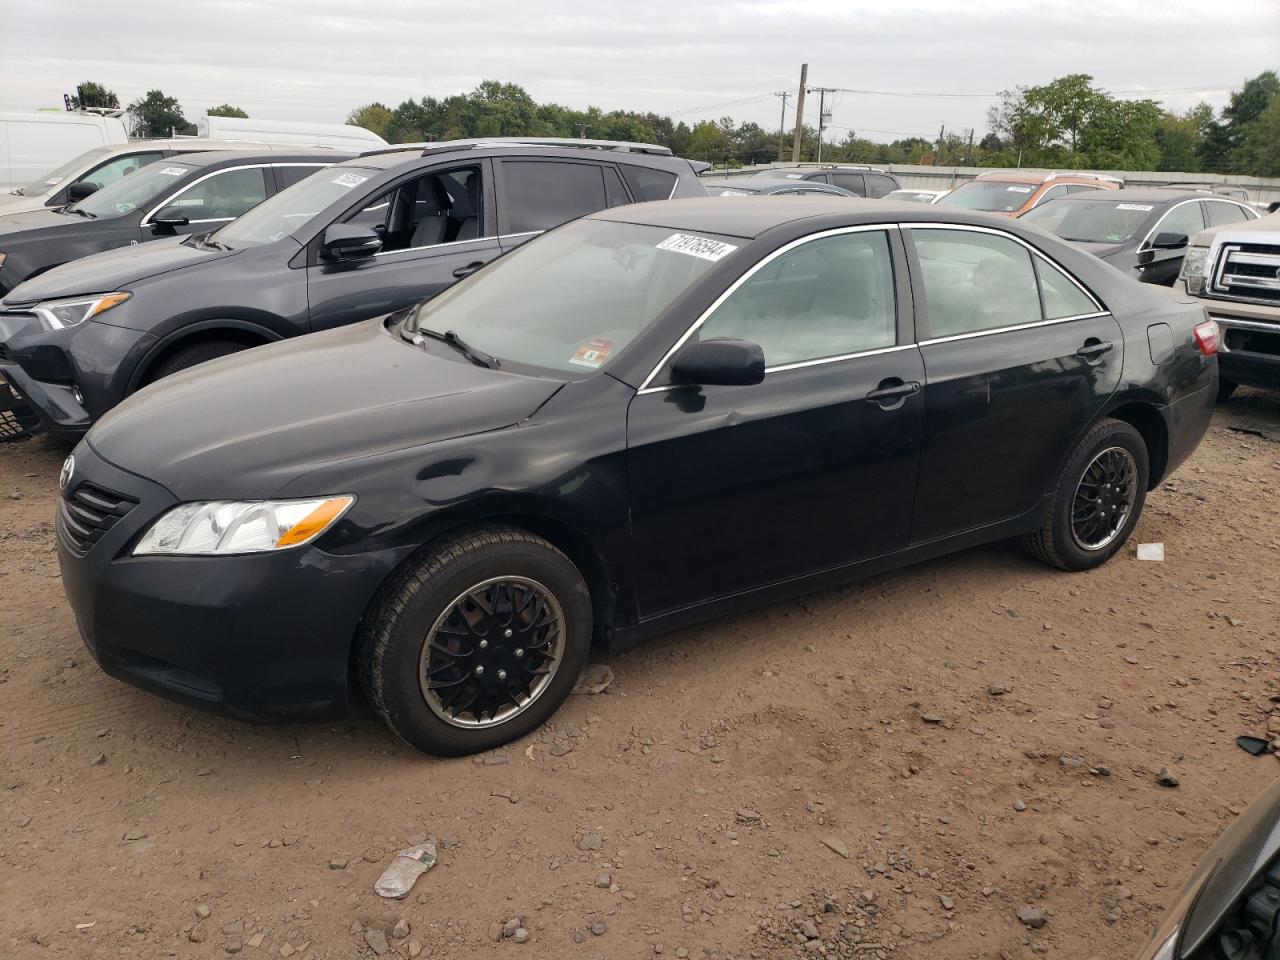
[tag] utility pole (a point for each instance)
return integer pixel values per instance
(782, 121)
(969, 157)
(941, 133)
(822, 114)
(795, 143)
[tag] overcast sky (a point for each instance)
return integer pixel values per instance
(316, 59)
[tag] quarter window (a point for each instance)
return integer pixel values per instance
(975, 281)
(647, 183)
(1062, 298)
(224, 196)
(878, 184)
(543, 194)
(826, 298)
(850, 181)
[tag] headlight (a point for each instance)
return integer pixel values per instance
(60, 314)
(1193, 268)
(226, 527)
(1, 259)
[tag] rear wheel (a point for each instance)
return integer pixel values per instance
(478, 643)
(189, 356)
(1098, 500)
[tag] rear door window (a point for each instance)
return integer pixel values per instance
(1220, 213)
(878, 184)
(646, 183)
(541, 194)
(975, 281)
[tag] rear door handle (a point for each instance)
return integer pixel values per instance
(892, 392)
(469, 269)
(1094, 348)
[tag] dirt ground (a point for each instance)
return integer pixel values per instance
(839, 776)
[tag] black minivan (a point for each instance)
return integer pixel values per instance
(370, 236)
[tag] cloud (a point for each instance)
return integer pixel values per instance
(315, 60)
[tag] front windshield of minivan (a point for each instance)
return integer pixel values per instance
(998, 196)
(572, 300)
(292, 207)
(55, 177)
(136, 190)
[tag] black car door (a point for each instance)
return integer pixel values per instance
(1161, 265)
(734, 488)
(437, 226)
(1018, 359)
(535, 194)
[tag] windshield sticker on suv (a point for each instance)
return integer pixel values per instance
(701, 247)
(795, 176)
(349, 180)
(1017, 189)
(1134, 206)
(173, 171)
(593, 353)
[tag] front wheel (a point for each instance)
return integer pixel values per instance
(478, 643)
(1098, 499)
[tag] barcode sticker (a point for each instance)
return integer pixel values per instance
(694, 246)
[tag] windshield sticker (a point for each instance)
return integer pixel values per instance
(1135, 206)
(593, 353)
(53, 181)
(1016, 189)
(701, 247)
(349, 180)
(734, 193)
(173, 171)
(795, 176)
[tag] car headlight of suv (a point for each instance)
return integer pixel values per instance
(60, 314)
(223, 527)
(1193, 265)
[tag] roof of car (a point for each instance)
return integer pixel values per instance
(749, 217)
(1148, 195)
(387, 158)
(760, 184)
(233, 157)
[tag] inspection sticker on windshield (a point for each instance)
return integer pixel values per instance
(1134, 206)
(173, 171)
(349, 180)
(1017, 189)
(697, 246)
(593, 353)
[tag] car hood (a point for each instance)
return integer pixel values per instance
(113, 269)
(244, 426)
(11, 203)
(28, 220)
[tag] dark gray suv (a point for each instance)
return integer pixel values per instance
(362, 238)
(856, 178)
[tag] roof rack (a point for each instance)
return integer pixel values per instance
(476, 143)
(1087, 176)
(841, 166)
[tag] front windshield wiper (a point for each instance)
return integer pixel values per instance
(80, 213)
(476, 356)
(206, 240)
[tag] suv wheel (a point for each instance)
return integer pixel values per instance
(478, 643)
(193, 354)
(1098, 500)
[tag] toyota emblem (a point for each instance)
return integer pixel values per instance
(64, 475)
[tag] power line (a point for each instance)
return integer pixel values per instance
(741, 101)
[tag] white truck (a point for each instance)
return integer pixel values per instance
(342, 136)
(33, 144)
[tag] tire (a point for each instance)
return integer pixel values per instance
(434, 593)
(1060, 543)
(192, 354)
(1225, 389)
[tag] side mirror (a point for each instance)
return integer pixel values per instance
(720, 363)
(1170, 241)
(169, 218)
(343, 241)
(80, 189)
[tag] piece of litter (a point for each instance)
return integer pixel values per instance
(86, 926)
(1151, 551)
(1255, 746)
(595, 678)
(403, 872)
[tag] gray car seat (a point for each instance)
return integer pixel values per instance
(465, 212)
(435, 218)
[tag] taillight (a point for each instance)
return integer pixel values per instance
(1206, 335)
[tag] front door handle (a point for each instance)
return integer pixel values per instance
(468, 270)
(1094, 348)
(893, 392)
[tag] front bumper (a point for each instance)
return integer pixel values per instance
(68, 377)
(261, 637)
(1250, 351)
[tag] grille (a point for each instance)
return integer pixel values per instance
(1248, 271)
(89, 512)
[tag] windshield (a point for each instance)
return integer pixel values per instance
(136, 190)
(994, 195)
(291, 208)
(572, 300)
(1091, 221)
(55, 177)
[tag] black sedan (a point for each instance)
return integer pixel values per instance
(650, 416)
(1143, 233)
(1229, 908)
(759, 186)
(194, 193)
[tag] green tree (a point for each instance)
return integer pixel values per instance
(156, 115)
(90, 95)
(372, 116)
(1259, 151)
(1179, 137)
(227, 110)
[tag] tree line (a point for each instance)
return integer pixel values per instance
(1068, 123)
